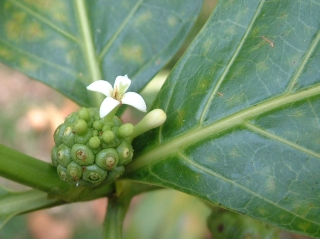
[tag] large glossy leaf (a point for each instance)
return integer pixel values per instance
(69, 44)
(243, 126)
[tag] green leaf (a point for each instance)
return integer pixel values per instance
(243, 126)
(14, 203)
(69, 44)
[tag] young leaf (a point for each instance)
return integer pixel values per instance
(14, 203)
(243, 126)
(69, 44)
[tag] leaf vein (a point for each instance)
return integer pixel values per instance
(307, 56)
(197, 134)
(263, 132)
(45, 21)
(214, 174)
(38, 59)
(117, 33)
(230, 63)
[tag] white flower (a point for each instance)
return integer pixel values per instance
(117, 95)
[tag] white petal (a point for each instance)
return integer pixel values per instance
(135, 100)
(101, 86)
(124, 80)
(107, 106)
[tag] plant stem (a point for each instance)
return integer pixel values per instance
(118, 205)
(116, 211)
(28, 171)
(40, 175)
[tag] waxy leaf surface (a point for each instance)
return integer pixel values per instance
(243, 106)
(69, 44)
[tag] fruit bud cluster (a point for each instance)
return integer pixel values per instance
(89, 149)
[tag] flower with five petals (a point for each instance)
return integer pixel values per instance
(117, 95)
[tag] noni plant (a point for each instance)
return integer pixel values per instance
(235, 125)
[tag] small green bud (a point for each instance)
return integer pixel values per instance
(83, 139)
(64, 155)
(97, 124)
(107, 159)
(124, 130)
(71, 118)
(106, 127)
(58, 133)
(117, 121)
(94, 174)
(96, 116)
(94, 142)
(80, 127)
(115, 173)
(95, 132)
(54, 156)
(68, 136)
(84, 114)
(75, 171)
(97, 150)
(125, 153)
(108, 136)
(82, 154)
(116, 140)
(62, 172)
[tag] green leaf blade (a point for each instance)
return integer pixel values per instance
(69, 44)
(40, 41)
(140, 36)
(14, 203)
(243, 122)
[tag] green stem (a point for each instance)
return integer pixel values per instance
(37, 174)
(118, 205)
(28, 171)
(116, 211)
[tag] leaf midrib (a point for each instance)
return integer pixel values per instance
(230, 63)
(88, 46)
(161, 152)
(119, 30)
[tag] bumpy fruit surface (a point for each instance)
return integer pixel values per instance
(89, 150)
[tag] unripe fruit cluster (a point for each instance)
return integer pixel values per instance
(89, 150)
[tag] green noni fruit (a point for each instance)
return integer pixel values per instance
(89, 150)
